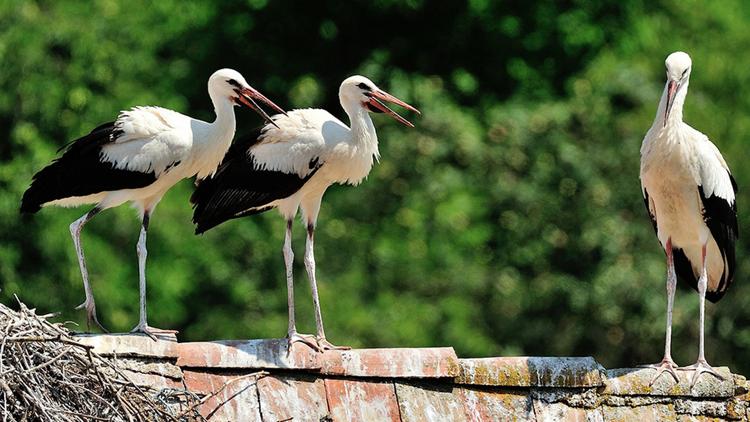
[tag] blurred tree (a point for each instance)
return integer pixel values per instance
(509, 221)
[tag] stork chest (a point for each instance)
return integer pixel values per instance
(347, 170)
(670, 176)
(347, 164)
(668, 163)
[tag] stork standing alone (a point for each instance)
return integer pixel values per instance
(690, 196)
(290, 165)
(137, 158)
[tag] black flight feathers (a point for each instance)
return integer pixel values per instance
(81, 172)
(238, 188)
(721, 219)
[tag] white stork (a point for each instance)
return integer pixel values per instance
(690, 196)
(137, 158)
(290, 165)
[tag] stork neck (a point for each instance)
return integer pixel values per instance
(216, 137)
(225, 120)
(363, 131)
(675, 114)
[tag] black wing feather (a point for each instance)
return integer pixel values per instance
(684, 270)
(80, 172)
(239, 189)
(721, 218)
(648, 210)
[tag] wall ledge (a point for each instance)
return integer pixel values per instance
(413, 384)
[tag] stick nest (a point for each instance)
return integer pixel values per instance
(46, 375)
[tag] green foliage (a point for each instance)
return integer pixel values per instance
(510, 221)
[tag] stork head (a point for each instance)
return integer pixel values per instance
(230, 84)
(679, 66)
(358, 91)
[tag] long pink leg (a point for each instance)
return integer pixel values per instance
(667, 364)
(310, 267)
(142, 252)
(701, 366)
(292, 335)
(89, 304)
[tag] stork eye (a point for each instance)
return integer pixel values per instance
(363, 86)
(233, 83)
(684, 72)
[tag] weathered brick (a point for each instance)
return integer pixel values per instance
(500, 406)
(635, 381)
(435, 362)
(236, 398)
(260, 354)
(362, 400)
(555, 412)
(290, 398)
(130, 345)
(531, 372)
(425, 402)
(649, 413)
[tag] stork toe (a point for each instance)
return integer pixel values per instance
(666, 365)
(700, 367)
(308, 339)
(91, 318)
(324, 345)
(153, 332)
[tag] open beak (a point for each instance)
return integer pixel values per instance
(671, 91)
(376, 101)
(247, 96)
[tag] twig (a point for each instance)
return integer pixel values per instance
(208, 397)
(135, 386)
(83, 415)
(230, 398)
(49, 362)
(49, 339)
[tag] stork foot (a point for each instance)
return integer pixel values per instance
(91, 318)
(324, 345)
(295, 337)
(666, 365)
(152, 331)
(700, 367)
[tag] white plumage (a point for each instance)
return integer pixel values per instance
(152, 139)
(136, 159)
(289, 166)
(690, 195)
(313, 133)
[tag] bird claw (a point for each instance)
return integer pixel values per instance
(295, 337)
(700, 367)
(666, 365)
(152, 332)
(90, 307)
(319, 344)
(324, 345)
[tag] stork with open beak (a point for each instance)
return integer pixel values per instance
(290, 165)
(136, 159)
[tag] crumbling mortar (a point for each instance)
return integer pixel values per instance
(586, 398)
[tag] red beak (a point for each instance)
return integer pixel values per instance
(671, 91)
(247, 97)
(376, 100)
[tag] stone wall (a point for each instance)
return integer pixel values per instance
(261, 380)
